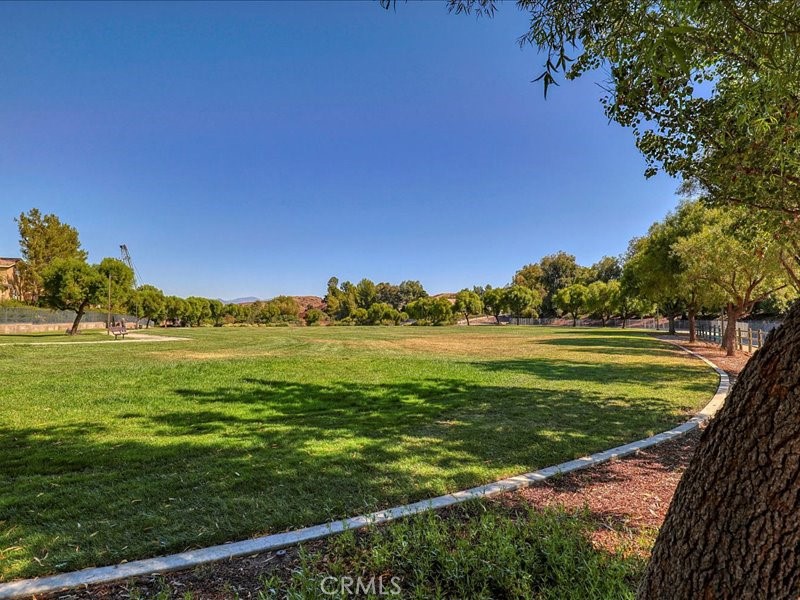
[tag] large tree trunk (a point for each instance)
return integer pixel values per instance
(692, 314)
(467, 317)
(729, 338)
(671, 320)
(733, 528)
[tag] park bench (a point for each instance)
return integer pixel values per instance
(118, 330)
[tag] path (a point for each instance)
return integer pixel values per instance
(129, 338)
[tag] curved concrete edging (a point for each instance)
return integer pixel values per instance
(193, 558)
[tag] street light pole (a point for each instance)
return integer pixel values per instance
(108, 318)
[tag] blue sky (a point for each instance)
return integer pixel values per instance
(258, 149)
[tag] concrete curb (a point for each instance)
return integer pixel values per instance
(193, 558)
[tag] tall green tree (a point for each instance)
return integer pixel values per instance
(42, 240)
(118, 279)
(409, 291)
(741, 261)
(366, 293)
(605, 269)
(559, 270)
(530, 276)
(658, 271)
(468, 303)
(72, 284)
(216, 310)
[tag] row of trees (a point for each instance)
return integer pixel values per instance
(368, 303)
(54, 273)
(698, 260)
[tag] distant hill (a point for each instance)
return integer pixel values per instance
(451, 296)
(305, 302)
(246, 300)
(309, 302)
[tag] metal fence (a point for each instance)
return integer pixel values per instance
(566, 322)
(750, 335)
(28, 315)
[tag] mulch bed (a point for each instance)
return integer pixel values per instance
(732, 365)
(628, 498)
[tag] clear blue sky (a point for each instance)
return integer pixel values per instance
(258, 149)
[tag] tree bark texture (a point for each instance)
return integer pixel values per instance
(733, 527)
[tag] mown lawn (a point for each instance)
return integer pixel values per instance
(125, 450)
(53, 337)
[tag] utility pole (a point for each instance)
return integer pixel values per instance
(108, 318)
(126, 258)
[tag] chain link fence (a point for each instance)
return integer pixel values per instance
(29, 315)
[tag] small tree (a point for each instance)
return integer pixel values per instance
(602, 299)
(433, 311)
(119, 283)
(494, 302)
(151, 303)
(175, 310)
(71, 284)
(314, 316)
(522, 301)
(571, 300)
(441, 311)
(381, 313)
(360, 316)
(468, 303)
(198, 310)
(216, 308)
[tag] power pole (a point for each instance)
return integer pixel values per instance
(108, 318)
(126, 258)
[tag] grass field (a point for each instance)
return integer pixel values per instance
(125, 450)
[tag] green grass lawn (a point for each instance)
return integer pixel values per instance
(126, 450)
(88, 335)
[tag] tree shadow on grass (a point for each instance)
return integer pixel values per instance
(605, 342)
(265, 455)
(626, 372)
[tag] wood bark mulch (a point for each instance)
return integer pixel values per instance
(627, 497)
(732, 365)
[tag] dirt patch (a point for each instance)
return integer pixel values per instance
(628, 498)
(219, 355)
